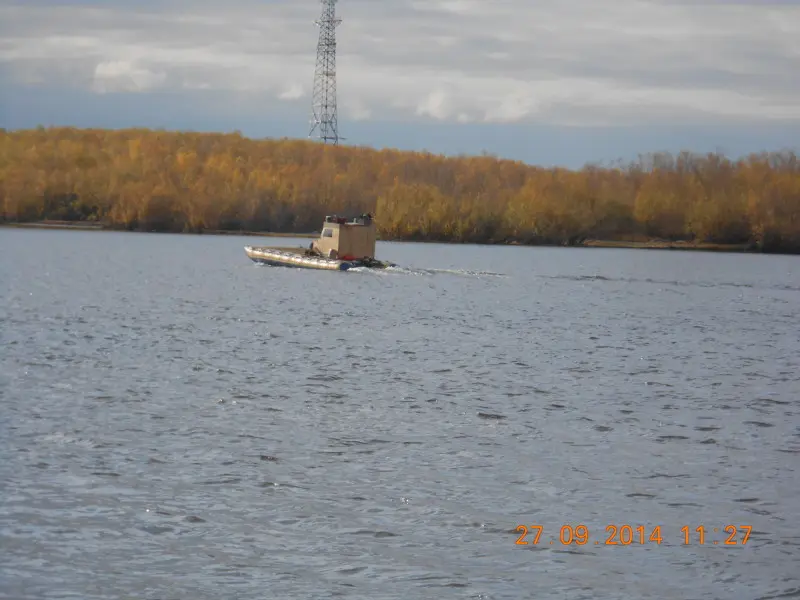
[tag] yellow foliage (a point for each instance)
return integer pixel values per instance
(173, 181)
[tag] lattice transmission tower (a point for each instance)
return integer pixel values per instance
(324, 120)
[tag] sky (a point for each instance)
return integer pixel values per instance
(548, 82)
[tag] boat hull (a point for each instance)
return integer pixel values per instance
(281, 257)
(298, 259)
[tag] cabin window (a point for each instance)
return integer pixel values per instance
(327, 233)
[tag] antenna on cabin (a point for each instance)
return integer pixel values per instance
(324, 120)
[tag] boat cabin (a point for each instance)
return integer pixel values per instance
(344, 239)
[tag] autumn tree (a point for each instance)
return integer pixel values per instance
(179, 181)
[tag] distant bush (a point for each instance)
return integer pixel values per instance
(155, 180)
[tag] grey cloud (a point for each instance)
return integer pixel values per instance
(575, 62)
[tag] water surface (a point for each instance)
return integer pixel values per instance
(177, 422)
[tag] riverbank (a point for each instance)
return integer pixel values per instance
(177, 181)
(86, 226)
(668, 245)
(648, 244)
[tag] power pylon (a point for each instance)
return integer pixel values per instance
(324, 119)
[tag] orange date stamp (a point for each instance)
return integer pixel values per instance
(630, 535)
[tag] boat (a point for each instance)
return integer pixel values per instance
(343, 244)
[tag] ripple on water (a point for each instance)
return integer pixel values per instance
(178, 423)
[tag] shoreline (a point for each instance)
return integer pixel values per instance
(653, 244)
(79, 226)
(667, 245)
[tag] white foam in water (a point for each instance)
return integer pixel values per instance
(466, 272)
(423, 272)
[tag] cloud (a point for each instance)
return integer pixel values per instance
(293, 92)
(122, 76)
(437, 104)
(357, 110)
(575, 62)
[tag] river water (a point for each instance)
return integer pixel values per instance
(177, 422)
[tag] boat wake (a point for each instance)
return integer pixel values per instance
(425, 272)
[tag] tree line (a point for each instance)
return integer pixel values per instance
(154, 180)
